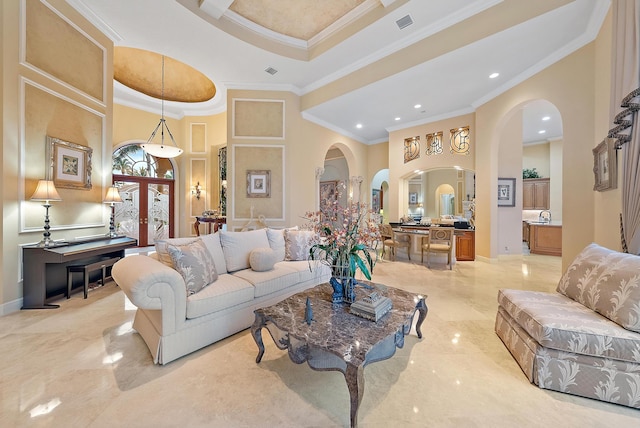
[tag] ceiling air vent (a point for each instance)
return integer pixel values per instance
(271, 70)
(404, 22)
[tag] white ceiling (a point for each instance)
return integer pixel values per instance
(451, 83)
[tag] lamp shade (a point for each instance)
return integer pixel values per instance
(161, 150)
(113, 196)
(46, 191)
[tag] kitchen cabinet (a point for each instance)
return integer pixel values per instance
(535, 194)
(545, 239)
(465, 245)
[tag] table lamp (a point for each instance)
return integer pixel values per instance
(46, 192)
(112, 198)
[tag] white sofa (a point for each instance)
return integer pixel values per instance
(174, 322)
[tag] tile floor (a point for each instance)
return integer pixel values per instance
(83, 366)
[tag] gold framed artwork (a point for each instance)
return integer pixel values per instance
(605, 168)
(411, 148)
(259, 183)
(68, 164)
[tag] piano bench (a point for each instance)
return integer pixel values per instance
(85, 269)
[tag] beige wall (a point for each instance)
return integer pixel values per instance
(305, 147)
(608, 205)
(45, 96)
(399, 170)
(510, 166)
(569, 85)
(536, 156)
(134, 126)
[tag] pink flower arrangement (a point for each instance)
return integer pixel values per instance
(349, 236)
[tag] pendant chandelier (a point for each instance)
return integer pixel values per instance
(162, 150)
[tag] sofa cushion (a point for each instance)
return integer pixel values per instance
(279, 278)
(262, 259)
(606, 281)
(226, 292)
(298, 243)
(558, 322)
(161, 248)
(237, 247)
(212, 241)
(194, 262)
(276, 241)
(309, 270)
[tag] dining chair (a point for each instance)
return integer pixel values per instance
(395, 240)
(439, 240)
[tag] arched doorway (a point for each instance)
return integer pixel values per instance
(146, 186)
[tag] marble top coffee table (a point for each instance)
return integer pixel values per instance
(336, 339)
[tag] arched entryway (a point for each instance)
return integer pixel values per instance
(146, 185)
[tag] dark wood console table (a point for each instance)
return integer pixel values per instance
(216, 222)
(44, 270)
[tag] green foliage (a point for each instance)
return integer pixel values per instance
(530, 173)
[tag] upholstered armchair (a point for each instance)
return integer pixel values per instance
(439, 240)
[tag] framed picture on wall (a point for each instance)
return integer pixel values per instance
(68, 164)
(413, 198)
(605, 168)
(375, 200)
(328, 194)
(506, 192)
(259, 183)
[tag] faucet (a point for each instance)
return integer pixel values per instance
(547, 218)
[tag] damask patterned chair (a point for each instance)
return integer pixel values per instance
(439, 240)
(394, 240)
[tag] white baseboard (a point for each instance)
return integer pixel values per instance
(10, 307)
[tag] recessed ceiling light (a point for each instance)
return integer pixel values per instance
(359, 125)
(494, 75)
(397, 118)
(546, 118)
(542, 131)
(417, 106)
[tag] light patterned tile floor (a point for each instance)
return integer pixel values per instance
(83, 366)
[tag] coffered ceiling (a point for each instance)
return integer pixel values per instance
(354, 61)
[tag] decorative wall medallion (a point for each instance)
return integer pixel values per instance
(434, 144)
(411, 148)
(460, 140)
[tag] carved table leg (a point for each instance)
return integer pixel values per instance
(355, 382)
(422, 309)
(196, 227)
(256, 332)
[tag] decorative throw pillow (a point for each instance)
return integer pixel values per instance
(607, 282)
(161, 248)
(276, 241)
(262, 259)
(194, 262)
(298, 243)
(237, 247)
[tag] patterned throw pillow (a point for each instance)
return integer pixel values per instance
(194, 262)
(297, 244)
(607, 282)
(276, 241)
(262, 259)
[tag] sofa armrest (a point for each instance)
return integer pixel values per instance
(151, 285)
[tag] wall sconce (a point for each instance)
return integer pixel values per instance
(196, 190)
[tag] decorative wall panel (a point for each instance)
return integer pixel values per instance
(259, 119)
(198, 137)
(258, 157)
(460, 140)
(198, 175)
(411, 148)
(60, 49)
